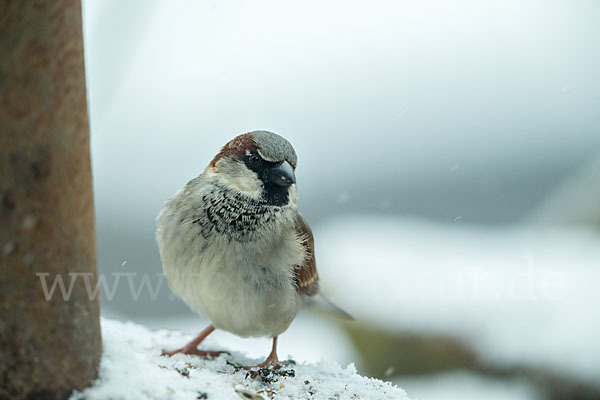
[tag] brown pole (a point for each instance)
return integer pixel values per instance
(48, 346)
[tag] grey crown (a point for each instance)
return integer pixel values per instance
(273, 147)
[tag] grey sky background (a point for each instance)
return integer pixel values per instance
(464, 112)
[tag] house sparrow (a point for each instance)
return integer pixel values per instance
(234, 246)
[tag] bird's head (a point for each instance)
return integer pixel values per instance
(260, 165)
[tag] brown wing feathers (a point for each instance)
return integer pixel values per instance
(307, 278)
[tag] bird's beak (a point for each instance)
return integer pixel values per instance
(282, 174)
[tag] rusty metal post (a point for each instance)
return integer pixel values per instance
(48, 346)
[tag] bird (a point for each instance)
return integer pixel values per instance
(234, 246)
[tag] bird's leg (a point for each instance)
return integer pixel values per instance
(272, 360)
(192, 347)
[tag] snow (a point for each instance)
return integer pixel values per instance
(132, 368)
(517, 295)
(299, 341)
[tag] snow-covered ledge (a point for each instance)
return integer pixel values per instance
(132, 368)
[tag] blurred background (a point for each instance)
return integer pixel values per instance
(448, 164)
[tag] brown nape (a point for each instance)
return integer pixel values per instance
(236, 146)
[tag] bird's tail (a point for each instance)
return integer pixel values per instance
(324, 304)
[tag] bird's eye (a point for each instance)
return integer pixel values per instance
(254, 160)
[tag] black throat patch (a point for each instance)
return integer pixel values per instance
(235, 214)
(275, 195)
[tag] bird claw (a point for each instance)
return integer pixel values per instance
(275, 364)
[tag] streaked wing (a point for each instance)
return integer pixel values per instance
(307, 278)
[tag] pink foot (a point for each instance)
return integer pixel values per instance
(271, 361)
